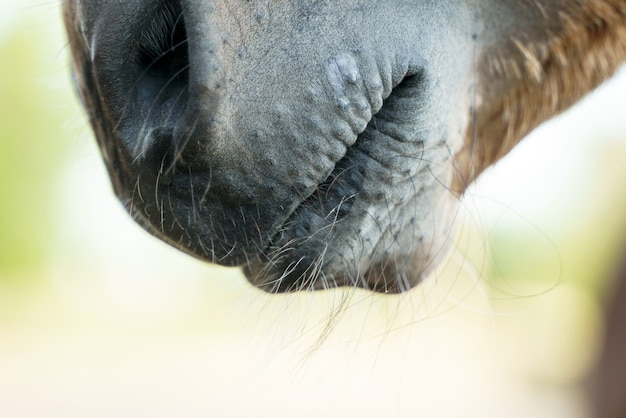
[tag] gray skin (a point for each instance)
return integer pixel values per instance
(311, 142)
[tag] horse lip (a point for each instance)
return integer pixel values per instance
(310, 225)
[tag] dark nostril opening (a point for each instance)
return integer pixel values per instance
(163, 51)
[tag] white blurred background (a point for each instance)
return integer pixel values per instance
(99, 319)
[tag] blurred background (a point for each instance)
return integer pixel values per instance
(99, 319)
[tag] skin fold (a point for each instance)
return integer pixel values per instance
(322, 143)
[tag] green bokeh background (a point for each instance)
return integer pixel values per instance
(34, 146)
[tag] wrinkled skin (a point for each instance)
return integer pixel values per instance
(316, 143)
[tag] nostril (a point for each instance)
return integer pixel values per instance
(162, 48)
(159, 87)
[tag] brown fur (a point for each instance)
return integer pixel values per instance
(525, 78)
